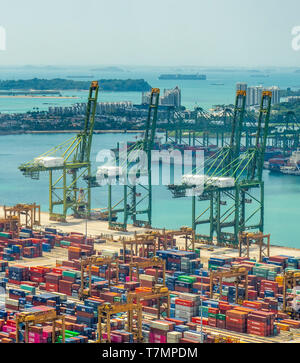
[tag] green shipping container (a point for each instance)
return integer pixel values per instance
(4, 234)
(70, 274)
(184, 278)
(28, 288)
(211, 315)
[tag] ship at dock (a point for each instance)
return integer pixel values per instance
(288, 166)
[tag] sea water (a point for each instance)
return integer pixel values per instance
(282, 192)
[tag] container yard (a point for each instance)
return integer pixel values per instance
(149, 179)
(78, 277)
(77, 288)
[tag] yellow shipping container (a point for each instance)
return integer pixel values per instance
(283, 327)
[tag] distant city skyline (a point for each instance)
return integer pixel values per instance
(191, 33)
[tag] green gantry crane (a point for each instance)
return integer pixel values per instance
(68, 164)
(226, 212)
(177, 132)
(137, 197)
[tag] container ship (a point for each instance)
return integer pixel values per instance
(290, 165)
(189, 77)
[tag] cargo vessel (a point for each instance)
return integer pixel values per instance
(289, 166)
(293, 164)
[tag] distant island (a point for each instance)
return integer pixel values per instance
(183, 76)
(83, 76)
(259, 75)
(113, 85)
(107, 69)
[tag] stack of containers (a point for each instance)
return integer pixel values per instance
(120, 336)
(187, 306)
(193, 337)
(159, 330)
(185, 283)
(174, 337)
(174, 257)
(37, 274)
(17, 274)
(147, 280)
(52, 281)
(68, 280)
(85, 315)
(3, 266)
(74, 253)
(214, 263)
(236, 320)
(293, 262)
(261, 323)
(123, 272)
(267, 287)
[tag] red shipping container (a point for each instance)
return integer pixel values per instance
(51, 287)
(184, 302)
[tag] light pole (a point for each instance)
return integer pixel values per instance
(201, 306)
(86, 224)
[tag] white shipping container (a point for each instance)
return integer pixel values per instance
(147, 277)
(159, 325)
(174, 337)
(193, 179)
(49, 161)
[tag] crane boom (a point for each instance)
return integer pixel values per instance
(72, 160)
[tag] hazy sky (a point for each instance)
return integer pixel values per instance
(150, 32)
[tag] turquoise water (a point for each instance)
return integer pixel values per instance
(202, 93)
(282, 193)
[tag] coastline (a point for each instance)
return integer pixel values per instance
(100, 228)
(43, 97)
(69, 132)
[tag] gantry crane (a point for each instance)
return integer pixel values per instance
(226, 205)
(179, 133)
(185, 232)
(71, 161)
(31, 317)
(105, 313)
(153, 262)
(153, 241)
(87, 263)
(286, 135)
(160, 294)
(10, 223)
(236, 273)
(246, 239)
(146, 241)
(28, 215)
(137, 197)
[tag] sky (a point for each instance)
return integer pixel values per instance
(152, 33)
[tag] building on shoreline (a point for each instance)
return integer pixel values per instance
(171, 97)
(102, 108)
(254, 93)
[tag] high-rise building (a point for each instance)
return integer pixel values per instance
(275, 94)
(171, 97)
(254, 94)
